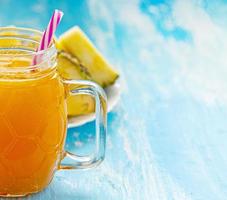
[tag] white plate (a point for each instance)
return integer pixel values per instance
(113, 95)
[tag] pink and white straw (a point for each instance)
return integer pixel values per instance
(49, 33)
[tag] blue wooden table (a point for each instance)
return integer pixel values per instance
(167, 135)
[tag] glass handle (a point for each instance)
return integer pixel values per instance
(92, 89)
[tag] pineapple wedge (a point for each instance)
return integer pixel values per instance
(76, 43)
(69, 68)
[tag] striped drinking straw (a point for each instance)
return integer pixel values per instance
(48, 33)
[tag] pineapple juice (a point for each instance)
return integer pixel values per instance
(32, 130)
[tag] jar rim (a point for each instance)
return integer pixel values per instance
(25, 36)
(31, 30)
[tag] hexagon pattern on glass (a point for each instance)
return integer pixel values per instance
(32, 133)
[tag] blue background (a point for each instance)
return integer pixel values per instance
(167, 135)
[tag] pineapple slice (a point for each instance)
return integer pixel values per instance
(69, 68)
(76, 43)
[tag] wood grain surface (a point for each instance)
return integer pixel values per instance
(167, 135)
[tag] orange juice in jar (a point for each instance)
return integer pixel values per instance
(33, 115)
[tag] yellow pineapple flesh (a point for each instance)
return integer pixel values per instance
(75, 42)
(69, 69)
(79, 59)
